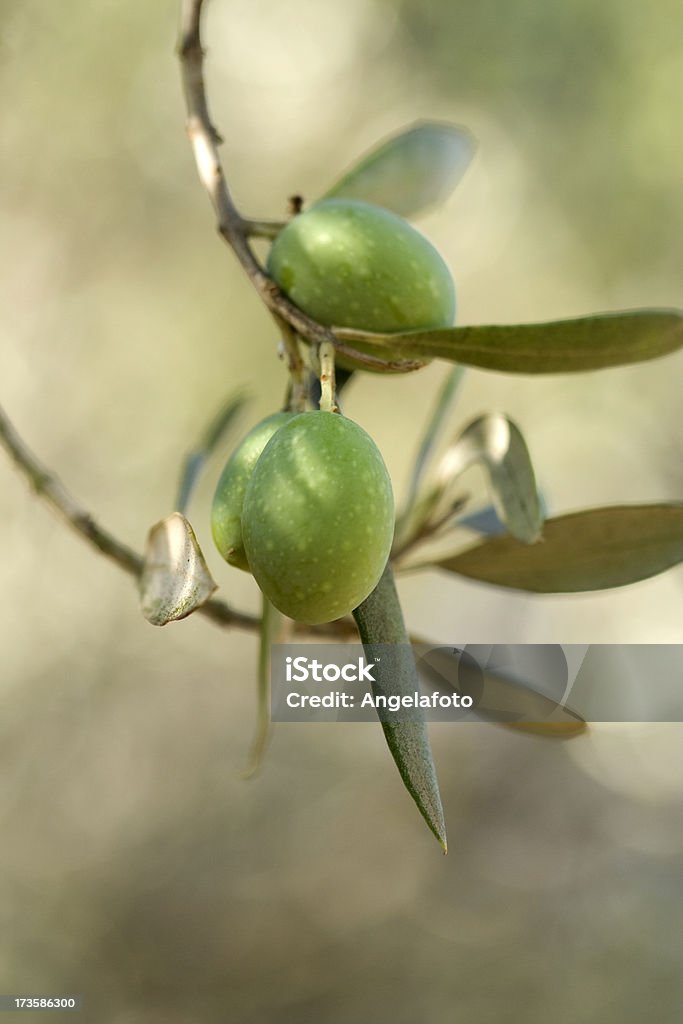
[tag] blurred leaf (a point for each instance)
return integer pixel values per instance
(500, 698)
(561, 346)
(270, 620)
(175, 578)
(568, 726)
(411, 171)
(559, 721)
(431, 515)
(442, 407)
(487, 521)
(590, 550)
(380, 622)
(497, 444)
(195, 460)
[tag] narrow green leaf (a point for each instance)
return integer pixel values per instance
(175, 578)
(411, 171)
(497, 444)
(418, 507)
(442, 407)
(270, 621)
(380, 621)
(487, 522)
(590, 550)
(195, 460)
(561, 346)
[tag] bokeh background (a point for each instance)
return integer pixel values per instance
(136, 867)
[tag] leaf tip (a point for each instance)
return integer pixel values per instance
(567, 729)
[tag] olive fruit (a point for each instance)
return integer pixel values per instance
(318, 517)
(352, 264)
(226, 510)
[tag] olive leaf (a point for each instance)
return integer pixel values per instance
(526, 703)
(594, 549)
(497, 444)
(411, 171)
(560, 346)
(175, 578)
(380, 621)
(270, 621)
(442, 407)
(195, 460)
(487, 522)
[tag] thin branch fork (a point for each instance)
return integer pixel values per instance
(234, 228)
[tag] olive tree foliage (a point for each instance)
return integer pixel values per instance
(519, 548)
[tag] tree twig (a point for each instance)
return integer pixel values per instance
(234, 228)
(49, 487)
(263, 228)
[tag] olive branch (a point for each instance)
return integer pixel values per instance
(236, 229)
(587, 550)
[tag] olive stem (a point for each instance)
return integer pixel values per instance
(296, 366)
(269, 229)
(328, 401)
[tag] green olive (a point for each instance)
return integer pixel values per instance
(226, 511)
(352, 264)
(318, 517)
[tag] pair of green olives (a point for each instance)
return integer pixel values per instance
(305, 503)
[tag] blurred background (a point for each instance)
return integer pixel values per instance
(136, 867)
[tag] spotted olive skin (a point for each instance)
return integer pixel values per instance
(318, 517)
(226, 510)
(353, 264)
